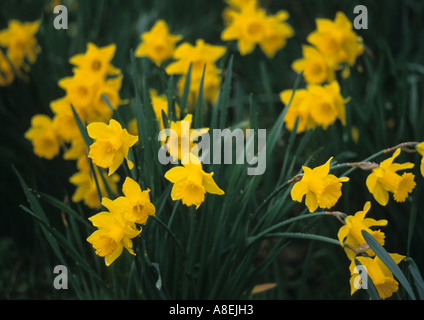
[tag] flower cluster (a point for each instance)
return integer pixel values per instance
(117, 226)
(317, 105)
(332, 45)
(250, 25)
(351, 238)
(93, 92)
(161, 47)
(323, 190)
(21, 49)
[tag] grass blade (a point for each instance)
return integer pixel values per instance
(388, 261)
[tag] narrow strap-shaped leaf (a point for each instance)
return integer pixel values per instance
(198, 117)
(186, 90)
(225, 97)
(388, 261)
(82, 128)
(416, 274)
(63, 207)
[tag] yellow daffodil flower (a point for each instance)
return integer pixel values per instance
(420, 149)
(114, 232)
(351, 235)
(135, 203)
(160, 103)
(19, 39)
(327, 105)
(95, 63)
(43, 136)
(384, 179)
(6, 71)
(316, 69)
(86, 188)
(198, 55)
(111, 144)
(181, 140)
(157, 44)
(299, 108)
(317, 105)
(191, 183)
(336, 40)
(380, 275)
(251, 26)
(321, 188)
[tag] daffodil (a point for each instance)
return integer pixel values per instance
(384, 179)
(211, 85)
(420, 149)
(299, 108)
(234, 6)
(317, 105)
(160, 104)
(380, 275)
(182, 138)
(157, 44)
(316, 69)
(80, 91)
(135, 203)
(327, 104)
(111, 144)
(95, 63)
(6, 71)
(251, 26)
(21, 43)
(336, 40)
(191, 183)
(321, 188)
(350, 234)
(114, 232)
(43, 137)
(198, 56)
(64, 120)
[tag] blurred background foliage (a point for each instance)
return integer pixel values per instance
(386, 108)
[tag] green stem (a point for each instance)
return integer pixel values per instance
(281, 224)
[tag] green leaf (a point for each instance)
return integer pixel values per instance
(276, 129)
(416, 275)
(82, 127)
(388, 261)
(198, 117)
(186, 90)
(63, 207)
(225, 97)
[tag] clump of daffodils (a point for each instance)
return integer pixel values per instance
(202, 57)
(18, 49)
(350, 237)
(117, 226)
(162, 47)
(252, 26)
(93, 92)
(332, 46)
(315, 106)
